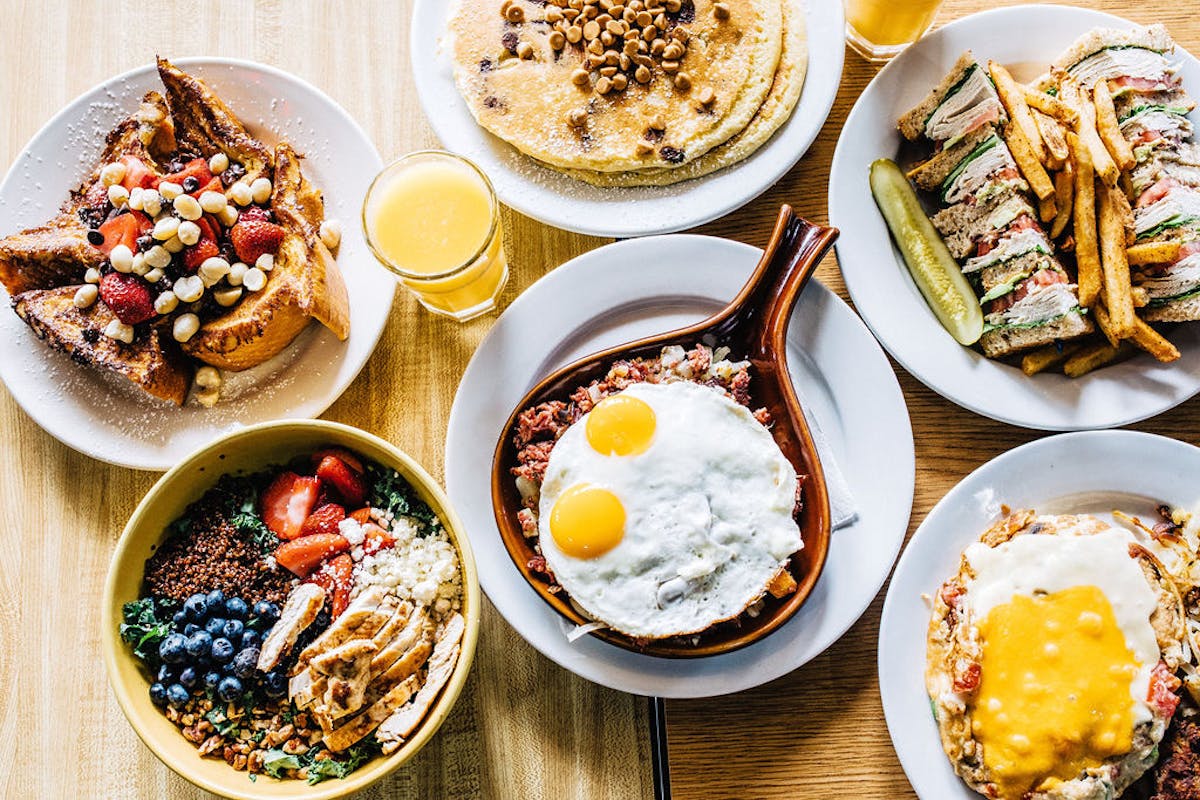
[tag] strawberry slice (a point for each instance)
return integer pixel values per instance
(287, 502)
(253, 238)
(349, 484)
(137, 174)
(341, 571)
(362, 516)
(324, 520)
(352, 461)
(302, 556)
(124, 229)
(376, 538)
(128, 297)
(213, 185)
(196, 168)
(255, 214)
(200, 252)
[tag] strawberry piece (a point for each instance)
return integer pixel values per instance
(362, 516)
(137, 174)
(324, 520)
(302, 556)
(213, 185)
(253, 238)
(128, 297)
(340, 569)
(349, 484)
(124, 229)
(287, 503)
(352, 461)
(200, 252)
(196, 168)
(376, 538)
(254, 214)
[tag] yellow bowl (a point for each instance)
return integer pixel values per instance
(249, 450)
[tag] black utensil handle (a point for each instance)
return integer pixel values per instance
(659, 762)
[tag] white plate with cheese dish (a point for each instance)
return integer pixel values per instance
(832, 357)
(565, 202)
(1063, 574)
(1026, 39)
(109, 419)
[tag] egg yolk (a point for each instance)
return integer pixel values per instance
(1054, 697)
(587, 521)
(620, 426)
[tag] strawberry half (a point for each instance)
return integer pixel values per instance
(376, 538)
(348, 483)
(255, 214)
(124, 229)
(253, 238)
(287, 503)
(362, 516)
(137, 174)
(128, 297)
(352, 461)
(196, 168)
(302, 556)
(213, 185)
(324, 520)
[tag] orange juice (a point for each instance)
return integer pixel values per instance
(433, 219)
(881, 28)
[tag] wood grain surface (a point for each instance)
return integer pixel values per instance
(524, 728)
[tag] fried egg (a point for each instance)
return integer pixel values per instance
(1048, 659)
(666, 509)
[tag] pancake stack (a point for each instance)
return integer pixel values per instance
(647, 93)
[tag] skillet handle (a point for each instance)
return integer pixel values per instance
(764, 306)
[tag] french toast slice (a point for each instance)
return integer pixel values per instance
(304, 284)
(153, 362)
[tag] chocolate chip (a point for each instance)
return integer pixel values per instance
(509, 40)
(486, 65)
(652, 135)
(687, 12)
(90, 336)
(144, 243)
(95, 237)
(232, 173)
(670, 154)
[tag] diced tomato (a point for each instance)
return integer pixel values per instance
(1007, 174)
(137, 174)
(349, 484)
(302, 556)
(951, 593)
(1138, 84)
(1163, 684)
(362, 516)
(1043, 277)
(984, 247)
(1156, 192)
(1023, 223)
(213, 185)
(124, 229)
(989, 115)
(967, 675)
(376, 538)
(324, 520)
(287, 503)
(196, 168)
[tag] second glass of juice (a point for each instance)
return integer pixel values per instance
(879, 29)
(432, 218)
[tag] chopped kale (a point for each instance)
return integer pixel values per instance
(319, 769)
(276, 761)
(146, 623)
(391, 493)
(240, 495)
(221, 723)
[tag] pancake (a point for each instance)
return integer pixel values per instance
(774, 112)
(520, 88)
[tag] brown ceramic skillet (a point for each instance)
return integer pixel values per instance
(754, 326)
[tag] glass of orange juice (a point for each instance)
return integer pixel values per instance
(432, 218)
(879, 29)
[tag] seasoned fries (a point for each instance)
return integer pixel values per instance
(1117, 288)
(1110, 129)
(1102, 162)
(1092, 357)
(1087, 254)
(1018, 111)
(1055, 138)
(1047, 208)
(1047, 357)
(1028, 162)
(1153, 253)
(1051, 106)
(1064, 195)
(1153, 342)
(1104, 323)
(1141, 298)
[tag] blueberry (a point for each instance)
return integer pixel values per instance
(190, 628)
(179, 619)
(222, 650)
(232, 630)
(189, 677)
(229, 689)
(191, 183)
(199, 644)
(235, 607)
(211, 679)
(216, 599)
(251, 638)
(166, 674)
(276, 684)
(177, 695)
(171, 649)
(268, 612)
(158, 694)
(95, 237)
(214, 625)
(244, 662)
(196, 607)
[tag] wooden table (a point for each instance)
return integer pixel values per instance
(523, 728)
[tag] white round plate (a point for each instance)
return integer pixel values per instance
(846, 384)
(1094, 472)
(1026, 38)
(107, 417)
(563, 202)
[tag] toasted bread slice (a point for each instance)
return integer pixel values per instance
(929, 175)
(305, 284)
(912, 124)
(1185, 309)
(153, 362)
(1151, 37)
(1006, 341)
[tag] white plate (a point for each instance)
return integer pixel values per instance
(1026, 38)
(1093, 472)
(107, 417)
(845, 379)
(564, 202)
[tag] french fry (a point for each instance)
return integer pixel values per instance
(1118, 292)
(1055, 138)
(1064, 195)
(1109, 129)
(1087, 254)
(1051, 106)
(1153, 342)
(1018, 110)
(1047, 209)
(1139, 255)
(1102, 162)
(1094, 356)
(1141, 298)
(1104, 323)
(1047, 357)
(1028, 162)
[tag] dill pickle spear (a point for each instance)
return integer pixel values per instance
(935, 271)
